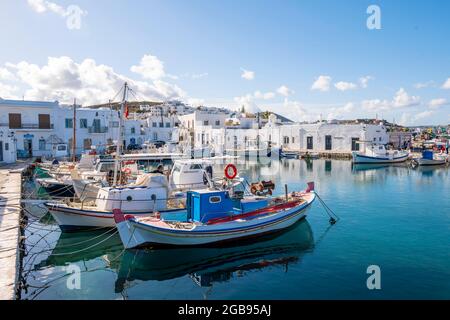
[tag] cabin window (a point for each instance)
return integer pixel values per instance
(129, 198)
(195, 166)
(215, 199)
(61, 148)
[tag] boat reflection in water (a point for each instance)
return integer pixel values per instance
(206, 265)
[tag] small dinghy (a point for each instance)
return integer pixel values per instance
(377, 153)
(429, 158)
(216, 216)
(56, 188)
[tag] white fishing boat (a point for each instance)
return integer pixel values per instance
(377, 153)
(429, 158)
(215, 216)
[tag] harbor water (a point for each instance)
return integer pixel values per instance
(394, 217)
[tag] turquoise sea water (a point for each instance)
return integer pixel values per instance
(392, 216)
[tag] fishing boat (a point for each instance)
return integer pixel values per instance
(56, 188)
(429, 158)
(289, 154)
(377, 153)
(216, 216)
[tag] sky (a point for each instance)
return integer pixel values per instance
(306, 60)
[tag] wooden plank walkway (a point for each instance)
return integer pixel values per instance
(10, 216)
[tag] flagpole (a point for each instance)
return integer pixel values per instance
(119, 143)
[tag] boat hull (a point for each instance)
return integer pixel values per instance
(73, 219)
(363, 159)
(86, 190)
(429, 162)
(56, 189)
(137, 234)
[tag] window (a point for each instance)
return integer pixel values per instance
(96, 125)
(374, 139)
(154, 124)
(15, 121)
(215, 199)
(355, 144)
(293, 140)
(206, 122)
(217, 122)
(167, 124)
(114, 124)
(379, 139)
(83, 123)
(328, 144)
(61, 148)
(41, 144)
(44, 121)
(6, 146)
(196, 166)
(161, 125)
(155, 136)
(69, 123)
(286, 140)
(309, 143)
(133, 130)
(87, 144)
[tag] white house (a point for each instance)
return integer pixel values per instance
(8, 153)
(33, 125)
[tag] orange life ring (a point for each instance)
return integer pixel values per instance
(233, 168)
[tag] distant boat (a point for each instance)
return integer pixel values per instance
(289, 154)
(377, 153)
(429, 158)
(216, 216)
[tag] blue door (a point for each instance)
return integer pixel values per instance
(196, 207)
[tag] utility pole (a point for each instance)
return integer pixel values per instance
(120, 138)
(74, 137)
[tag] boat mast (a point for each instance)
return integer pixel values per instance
(119, 143)
(74, 138)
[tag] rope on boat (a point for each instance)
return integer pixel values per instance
(333, 216)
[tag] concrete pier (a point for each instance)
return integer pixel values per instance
(10, 218)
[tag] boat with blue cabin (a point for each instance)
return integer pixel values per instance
(216, 216)
(377, 153)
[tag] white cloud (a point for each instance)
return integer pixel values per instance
(150, 67)
(7, 75)
(284, 91)
(402, 99)
(340, 112)
(8, 91)
(248, 103)
(446, 84)
(423, 115)
(199, 75)
(264, 96)
(436, 103)
(421, 85)
(247, 74)
(376, 105)
(42, 6)
(322, 83)
(344, 86)
(363, 81)
(63, 79)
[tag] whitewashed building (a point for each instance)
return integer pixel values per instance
(8, 152)
(33, 124)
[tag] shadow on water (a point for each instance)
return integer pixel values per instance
(206, 265)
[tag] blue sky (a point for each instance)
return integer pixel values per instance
(199, 50)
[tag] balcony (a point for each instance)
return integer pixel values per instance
(28, 126)
(98, 129)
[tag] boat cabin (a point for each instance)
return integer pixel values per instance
(206, 205)
(190, 174)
